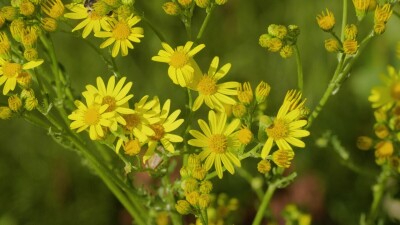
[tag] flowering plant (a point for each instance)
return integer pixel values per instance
(127, 131)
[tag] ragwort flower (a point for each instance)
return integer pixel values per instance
(213, 94)
(93, 115)
(183, 70)
(286, 128)
(121, 32)
(168, 123)
(218, 141)
(389, 93)
(9, 72)
(91, 20)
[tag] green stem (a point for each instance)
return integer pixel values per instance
(109, 181)
(205, 22)
(299, 68)
(176, 219)
(264, 204)
(378, 191)
(344, 20)
(203, 216)
(328, 92)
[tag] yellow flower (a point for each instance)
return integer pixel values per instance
(93, 115)
(5, 45)
(384, 149)
(14, 103)
(382, 13)
(121, 33)
(91, 21)
(213, 94)
(168, 123)
(245, 135)
(245, 93)
(283, 157)
(332, 45)
(139, 123)
(183, 70)
(53, 8)
(5, 113)
(278, 31)
(350, 31)
(218, 141)
(286, 128)
(49, 24)
(171, 8)
(361, 6)
(379, 27)
(326, 22)
(264, 166)
(286, 51)
(262, 92)
(27, 8)
(389, 93)
(9, 72)
(115, 95)
(350, 47)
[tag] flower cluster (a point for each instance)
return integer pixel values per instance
(280, 38)
(385, 101)
(184, 8)
(113, 20)
(196, 188)
(106, 115)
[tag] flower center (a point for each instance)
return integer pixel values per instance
(93, 15)
(395, 91)
(158, 130)
(132, 121)
(11, 69)
(207, 86)
(218, 143)
(121, 31)
(278, 130)
(112, 104)
(179, 59)
(92, 116)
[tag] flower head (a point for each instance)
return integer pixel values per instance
(92, 116)
(389, 93)
(9, 72)
(121, 32)
(285, 129)
(168, 123)
(91, 20)
(218, 141)
(183, 70)
(382, 13)
(326, 21)
(53, 8)
(213, 94)
(115, 95)
(332, 45)
(350, 47)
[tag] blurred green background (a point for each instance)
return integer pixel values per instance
(41, 183)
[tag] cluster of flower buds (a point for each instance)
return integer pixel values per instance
(196, 188)
(176, 8)
(280, 38)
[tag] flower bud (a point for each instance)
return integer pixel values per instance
(14, 103)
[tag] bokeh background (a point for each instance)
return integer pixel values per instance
(41, 183)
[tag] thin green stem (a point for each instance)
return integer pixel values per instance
(264, 204)
(176, 219)
(299, 68)
(378, 191)
(205, 22)
(328, 92)
(344, 20)
(108, 180)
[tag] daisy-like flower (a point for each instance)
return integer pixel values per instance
(53, 8)
(91, 21)
(9, 72)
(218, 141)
(121, 32)
(115, 95)
(93, 115)
(286, 129)
(389, 93)
(138, 124)
(183, 70)
(213, 94)
(168, 123)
